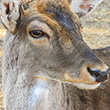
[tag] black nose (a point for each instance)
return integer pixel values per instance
(100, 76)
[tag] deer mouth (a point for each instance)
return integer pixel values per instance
(89, 83)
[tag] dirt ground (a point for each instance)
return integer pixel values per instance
(96, 26)
(96, 31)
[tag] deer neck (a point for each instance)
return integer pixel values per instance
(29, 90)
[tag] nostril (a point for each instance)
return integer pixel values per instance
(95, 73)
(100, 76)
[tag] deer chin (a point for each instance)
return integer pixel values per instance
(88, 84)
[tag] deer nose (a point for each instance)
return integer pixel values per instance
(98, 75)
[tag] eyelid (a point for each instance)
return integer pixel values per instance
(37, 25)
(36, 28)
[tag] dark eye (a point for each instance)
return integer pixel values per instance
(36, 33)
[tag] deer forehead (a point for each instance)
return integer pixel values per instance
(50, 8)
(56, 14)
(34, 4)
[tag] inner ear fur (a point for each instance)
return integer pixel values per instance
(83, 7)
(10, 14)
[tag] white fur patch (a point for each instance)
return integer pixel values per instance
(38, 93)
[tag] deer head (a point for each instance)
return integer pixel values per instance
(51, 40)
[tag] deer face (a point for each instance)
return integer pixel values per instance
(52, 44)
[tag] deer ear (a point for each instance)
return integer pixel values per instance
(83, 7)
(10, 14)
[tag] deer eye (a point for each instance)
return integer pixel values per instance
(36, 33)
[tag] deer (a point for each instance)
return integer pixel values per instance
(46, 63)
